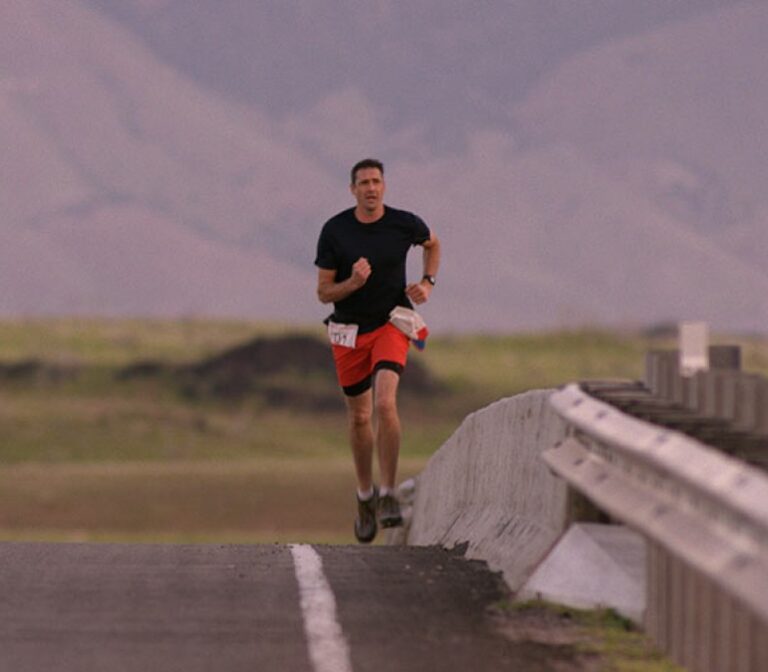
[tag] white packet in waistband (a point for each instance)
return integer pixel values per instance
(411, 324)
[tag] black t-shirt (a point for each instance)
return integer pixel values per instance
(385, 243)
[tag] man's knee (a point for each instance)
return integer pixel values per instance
(359, 410)
(386, 407)
(359, 417)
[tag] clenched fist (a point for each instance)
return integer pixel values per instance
(361, 271)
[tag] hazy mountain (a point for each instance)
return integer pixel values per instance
(126, 186)
(583, 162)
(679, 115)
(451, 65)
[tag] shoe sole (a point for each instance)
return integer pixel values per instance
(365, 540)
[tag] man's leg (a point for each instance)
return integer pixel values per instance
(388, 426)
(359, 414)
(388, 445)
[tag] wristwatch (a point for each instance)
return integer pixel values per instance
(430, 279)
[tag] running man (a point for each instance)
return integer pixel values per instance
(361, 260)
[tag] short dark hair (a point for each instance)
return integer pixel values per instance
(366, 163)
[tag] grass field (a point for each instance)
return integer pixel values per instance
(88, 456)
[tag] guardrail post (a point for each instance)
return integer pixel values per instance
(691, 386)
(653, 592)
(746, 402)
(723, 611)
(742, 639)
(677, 611)
(657, 611)
(700, 387)
(730, 397)
(725, 357)
(662, 367)
(690, 617)
(761, 421)
(704, 658)
(761, 651)
(651, 376)
(716, 400)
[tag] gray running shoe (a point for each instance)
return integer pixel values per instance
(389, 512)
(365, 523)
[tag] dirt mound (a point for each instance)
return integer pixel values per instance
(288, 370)
(37, 371)
(145, 368)
(260, 356)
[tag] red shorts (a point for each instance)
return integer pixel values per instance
(383, 348)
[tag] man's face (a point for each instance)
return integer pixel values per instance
(368, 189)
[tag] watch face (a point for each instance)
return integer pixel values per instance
(430, 279)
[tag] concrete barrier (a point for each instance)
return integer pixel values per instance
(593, 566)
(488, 487)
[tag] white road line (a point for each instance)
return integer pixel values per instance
(328, 648)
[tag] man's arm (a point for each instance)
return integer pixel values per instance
(330, 291)
(419, 292)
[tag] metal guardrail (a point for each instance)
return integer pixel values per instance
(722, 391)
(703, 513)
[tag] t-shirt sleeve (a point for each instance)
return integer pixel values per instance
(326, 255)
(421, 233)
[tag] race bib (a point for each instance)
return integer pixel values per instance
(344, 335)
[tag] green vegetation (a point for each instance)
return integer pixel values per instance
(506, 365)
(115, 342)
(75, 428)
(600, 634)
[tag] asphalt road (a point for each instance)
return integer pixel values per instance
(156, 608)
